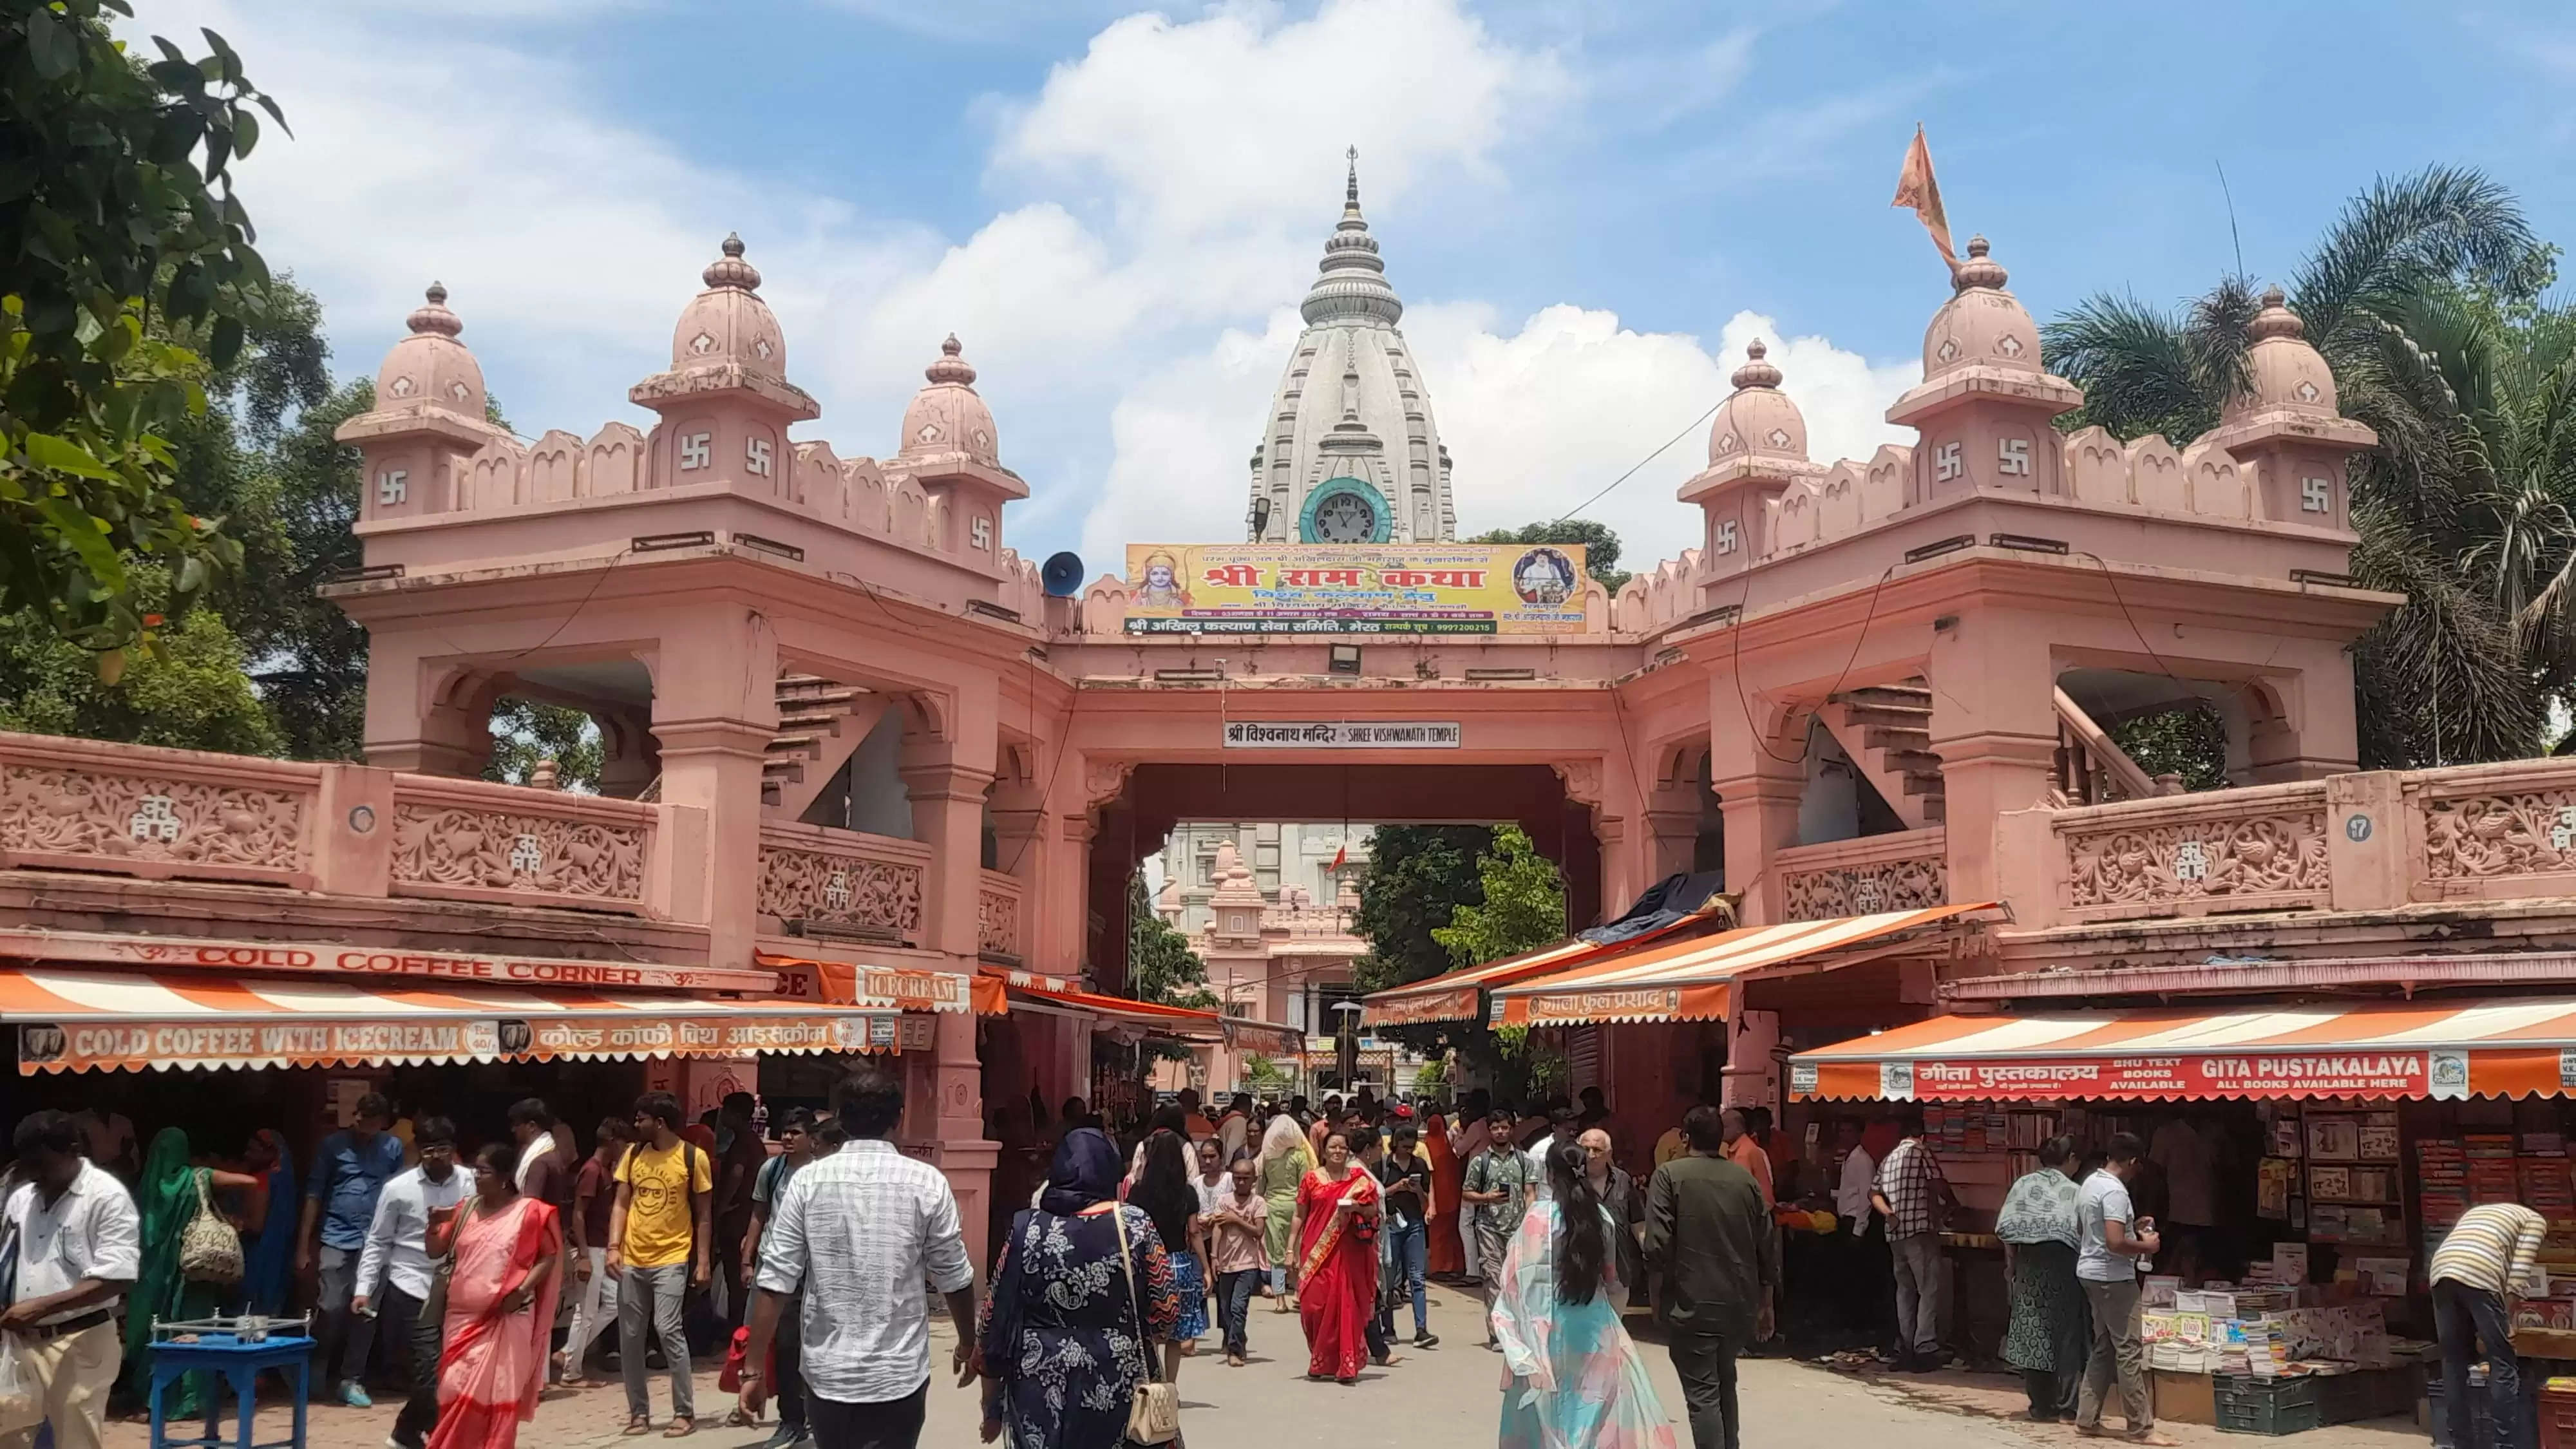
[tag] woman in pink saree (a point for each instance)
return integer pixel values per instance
(500, 1308)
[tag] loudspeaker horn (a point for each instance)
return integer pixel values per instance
(1062, 575)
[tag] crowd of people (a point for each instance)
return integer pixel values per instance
(809, 1255)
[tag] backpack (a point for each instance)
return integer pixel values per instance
(210, 1251)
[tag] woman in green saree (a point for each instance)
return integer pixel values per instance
(167, 1194)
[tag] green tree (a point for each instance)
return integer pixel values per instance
(2412, 267)
(124, 259)
(1418, 876)
(1600, 545)
(525, 731)
(190, 692)
(1523, 906)
(1160, 964)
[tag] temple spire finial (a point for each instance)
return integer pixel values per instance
(1351, 194)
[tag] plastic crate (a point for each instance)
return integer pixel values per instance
(2270, 1407)
(2557, 1417)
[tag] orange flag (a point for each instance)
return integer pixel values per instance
(1916, 187)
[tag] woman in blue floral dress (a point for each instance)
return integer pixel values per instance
(1066, 1337)
(1571, 1375)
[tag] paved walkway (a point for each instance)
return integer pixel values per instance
(1445, 1398)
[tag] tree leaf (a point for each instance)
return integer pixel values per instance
(44, 450)
(53, 46)
(245, 132)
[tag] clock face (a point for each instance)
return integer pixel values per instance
(1345, 518)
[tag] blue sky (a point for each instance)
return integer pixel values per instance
(1588, 208)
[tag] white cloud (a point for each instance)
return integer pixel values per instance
(1163, 191)
(1235, 123)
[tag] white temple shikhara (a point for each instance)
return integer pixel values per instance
(1349, 452)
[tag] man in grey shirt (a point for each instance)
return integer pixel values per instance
(858, 1233)
(2109, 1244)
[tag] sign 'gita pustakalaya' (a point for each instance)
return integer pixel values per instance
(1388, 588)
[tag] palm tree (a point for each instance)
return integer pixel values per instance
(2407, 297)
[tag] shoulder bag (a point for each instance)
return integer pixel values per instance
(210, 1251)
(1155, 1415)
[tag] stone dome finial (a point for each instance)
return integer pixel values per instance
(431, 367)
(2276, 319)
(434, 317)
(948, 416)
(951, 366)
(1757, 418)
(731, 270)
(1981, 325)
(1979, 270)
(2282, 369)
(1756, 372)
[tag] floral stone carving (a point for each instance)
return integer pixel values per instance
(439, 845)
(813, 885)
(2490, 835)
(997, 923)
(139, 819)
(1861, 890)
(2190, 860)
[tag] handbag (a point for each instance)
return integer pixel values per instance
(1154, 1417)
(210, 1251)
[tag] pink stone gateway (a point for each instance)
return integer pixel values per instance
(849, 732)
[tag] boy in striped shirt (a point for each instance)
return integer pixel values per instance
(2482, 1268)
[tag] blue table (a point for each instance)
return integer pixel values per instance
(239, 1364)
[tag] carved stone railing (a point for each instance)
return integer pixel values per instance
(2492, 832)
(477, 841)
(843, 878)
(109, 810)
(157, 814)
(2256, 849)
(1901, 871)
(997, 915)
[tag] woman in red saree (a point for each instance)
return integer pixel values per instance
(1336, 1235)
(500, 1309)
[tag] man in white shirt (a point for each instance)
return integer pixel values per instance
(79, 1250)
(396, 1264)
(2111, 1242)
(858, 1233)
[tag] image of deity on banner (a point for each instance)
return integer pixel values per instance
(1161, 586)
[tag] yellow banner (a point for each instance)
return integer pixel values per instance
(1363, 588)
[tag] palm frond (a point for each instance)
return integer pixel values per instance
(2135, 365)
(2407, 233)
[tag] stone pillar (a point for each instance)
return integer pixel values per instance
(1752, 1076)
(1761, 813)
(946, 778)
(1994, 725)
(714, 713)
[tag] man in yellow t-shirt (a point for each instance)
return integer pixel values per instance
(658, 1248)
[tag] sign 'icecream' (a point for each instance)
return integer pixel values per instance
(1416, 734)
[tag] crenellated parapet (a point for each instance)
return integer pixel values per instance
(447, 488)
(1989, 460)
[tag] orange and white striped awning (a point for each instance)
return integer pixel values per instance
(1690, 979)
(1459, 995)
(75, 1020)
(1456, 995)
(2378, 1050)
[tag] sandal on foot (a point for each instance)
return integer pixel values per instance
(639, 1424)
(682, 1426)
